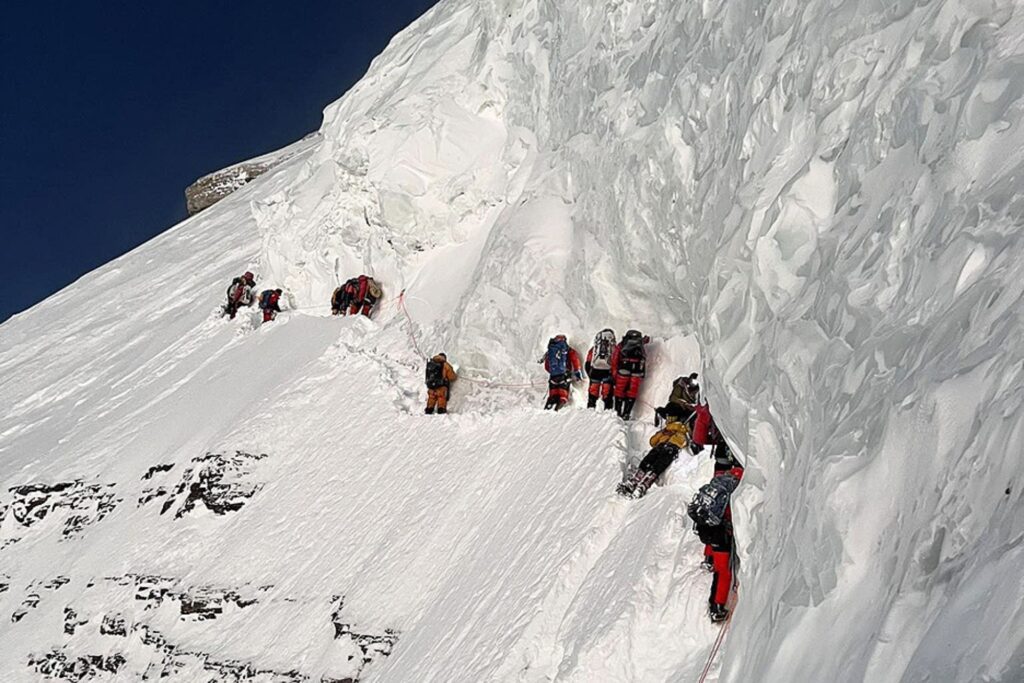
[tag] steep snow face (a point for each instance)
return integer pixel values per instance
(823, 196)
(828, 193)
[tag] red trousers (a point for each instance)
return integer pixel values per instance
(627, 386)
(600, 388)
(721, 583)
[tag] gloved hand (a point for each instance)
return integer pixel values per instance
(577, 376)
(696, 448)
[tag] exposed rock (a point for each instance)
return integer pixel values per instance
(30, 602)
(210, 189)
(156, 469)
(149, 494)
(86, 504)
(197, 602)
(59, 665)
(370, 644)
(72, 622)
(56, 582)
(35, 592)
(154, 656)
(217, 481)
(113, 625)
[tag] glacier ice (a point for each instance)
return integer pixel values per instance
(819, 203)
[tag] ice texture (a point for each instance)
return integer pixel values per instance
(818, 203)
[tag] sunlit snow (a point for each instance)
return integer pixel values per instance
(816, 205)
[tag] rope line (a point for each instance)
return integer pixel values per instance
(483, 381)
(412, 337)
(714, 649)
(399, 303)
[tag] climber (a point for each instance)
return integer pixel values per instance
(270, 303)
(366, 296)
(440, 375)
(712, 522)
(599, 369)
(681, 402)
(666, 444)
(343, 296)
(239, 294)
(629, 366)
(705, 433)
(563, 365)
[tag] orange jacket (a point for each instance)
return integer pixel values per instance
(448, 372)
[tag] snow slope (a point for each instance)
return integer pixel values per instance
(816, 203)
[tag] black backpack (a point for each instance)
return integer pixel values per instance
(710, 502)
(633, 344)
(435, 374)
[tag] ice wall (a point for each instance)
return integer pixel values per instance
(828, 193)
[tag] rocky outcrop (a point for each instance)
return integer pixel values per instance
(61, 666)
(139, 620)
(220, 482)
(212, 188)
(79, 503)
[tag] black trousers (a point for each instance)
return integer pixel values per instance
(659, 458)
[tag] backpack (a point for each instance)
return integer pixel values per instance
(632, 356)
(266, 298)
(633, 344)
(604, 344)
(435, 374)
(558, 357)
(712, 500)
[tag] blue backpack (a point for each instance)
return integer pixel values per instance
(265, 298)
(558, 357)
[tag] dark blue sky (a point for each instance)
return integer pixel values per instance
(108, 110)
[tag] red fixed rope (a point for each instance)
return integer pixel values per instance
(412, 337)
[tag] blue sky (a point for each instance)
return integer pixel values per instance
(108, 110)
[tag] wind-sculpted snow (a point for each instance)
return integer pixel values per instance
(830, 194)
(824, 196)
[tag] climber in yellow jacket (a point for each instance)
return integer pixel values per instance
(665, 446)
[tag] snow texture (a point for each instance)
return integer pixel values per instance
(816, 204)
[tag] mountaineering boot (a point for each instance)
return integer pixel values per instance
(646, 481)
(627, 408)
(592, 401)
(636, 485)
(628, 483)
(608, 403)
(442, 411)
(718, 613)
(429, 411)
